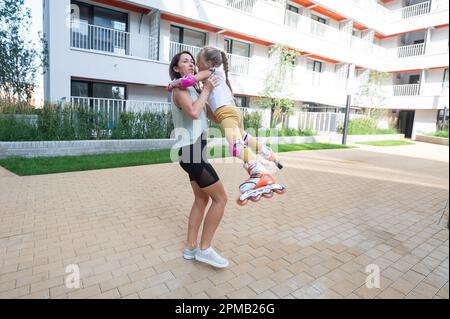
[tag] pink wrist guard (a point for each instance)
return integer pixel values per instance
(187, 81)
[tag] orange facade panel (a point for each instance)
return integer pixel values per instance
(304, 3)
(406, 71)
(321, 58)
(246, 38)
(124, 6)
(198, 25)
(359, 26)
(328, 13)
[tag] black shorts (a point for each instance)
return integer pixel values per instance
(193, 159)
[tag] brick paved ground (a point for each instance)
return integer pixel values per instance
(125, 228)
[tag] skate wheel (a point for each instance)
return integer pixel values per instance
(270, 195)
(241, 203)
(280, 192)
(256, 199)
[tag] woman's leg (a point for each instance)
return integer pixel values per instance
(196, 216)
(215, 212)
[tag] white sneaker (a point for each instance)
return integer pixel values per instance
(211, 257)
(189, 254)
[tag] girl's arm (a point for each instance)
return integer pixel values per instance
(190, 80)
(193, 109)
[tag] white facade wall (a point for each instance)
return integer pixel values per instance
(424, 122)
(145, 79)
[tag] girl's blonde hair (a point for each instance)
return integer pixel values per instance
(216, 57)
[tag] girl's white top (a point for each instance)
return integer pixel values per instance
(221, 95)
(187, 130)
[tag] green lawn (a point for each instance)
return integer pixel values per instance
(387, 143)
(50, 165)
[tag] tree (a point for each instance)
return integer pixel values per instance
(277, 80)
(19, 57)
(371, 94)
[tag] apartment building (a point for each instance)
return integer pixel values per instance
(115, 54)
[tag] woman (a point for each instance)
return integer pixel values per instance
(188, 109)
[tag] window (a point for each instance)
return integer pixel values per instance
(242, 101)
(98, 90)
(414, 79)
(318, 19)
(293, 9)
(315, 66)
(187, 36)
(102, 37)
(80, 89)
(103, 17)
(237, 47)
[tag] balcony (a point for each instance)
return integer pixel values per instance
(430, 95)
(110, 41)
(345, 40)
(237, 64)
(113, 107)
(408, 12)
(248, 6)
(409, 50)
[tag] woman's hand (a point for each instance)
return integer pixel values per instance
(211, 83)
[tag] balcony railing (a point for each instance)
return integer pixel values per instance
(95, 38)
(344, 39)
(412, 11)
(176, 48)
(410, 50)
(402, 13)
(237, 64)
(111, 108)
(247, 5)
(404, 90)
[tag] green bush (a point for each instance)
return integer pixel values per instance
(80, 123)
(143, 125)
(16, 129)
(253, 120)
(441, 134)
(365, 126)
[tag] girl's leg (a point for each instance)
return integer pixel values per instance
(234, 133)
(215, 212)
(196, 215)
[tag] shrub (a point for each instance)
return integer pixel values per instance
(365, 126)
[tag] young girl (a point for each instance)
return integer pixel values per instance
(222, 104)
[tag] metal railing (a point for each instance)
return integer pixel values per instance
(321, 121)
(414, 10)
(95, 38)
(403, 90)
(242, 5)
(344, 39)
(410, 50)
(111, 108)
(247, 5)
(238, 64)
(176, 48)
